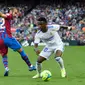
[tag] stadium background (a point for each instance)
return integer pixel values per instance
(74, 56)
(58, 11)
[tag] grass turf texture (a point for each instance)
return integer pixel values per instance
(74, 58)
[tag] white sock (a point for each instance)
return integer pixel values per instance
(38, 66)
(7, 69)
(60, 61)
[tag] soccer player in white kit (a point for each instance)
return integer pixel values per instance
(49, 35)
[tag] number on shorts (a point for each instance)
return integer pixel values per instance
(45, 49)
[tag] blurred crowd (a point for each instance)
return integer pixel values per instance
(69, 15)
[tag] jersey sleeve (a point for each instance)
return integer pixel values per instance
(55, 27)
(36, 39)
(9, 16)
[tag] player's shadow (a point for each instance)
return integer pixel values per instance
(21, 76)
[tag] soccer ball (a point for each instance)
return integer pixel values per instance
(46, 75)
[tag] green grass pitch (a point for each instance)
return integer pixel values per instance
(74, 59)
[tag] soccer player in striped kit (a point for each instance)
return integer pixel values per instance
(6, 40)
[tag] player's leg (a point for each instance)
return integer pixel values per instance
(4, 52)
(44, 55)
(5, 63)
(15, 45)
(60, 61)
(39, 66)
(26, 59)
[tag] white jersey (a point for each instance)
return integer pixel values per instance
(51, 37)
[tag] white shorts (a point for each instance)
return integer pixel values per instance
(48, 51)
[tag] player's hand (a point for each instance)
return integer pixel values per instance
(73, 27)
(81, 22)
(38, 52)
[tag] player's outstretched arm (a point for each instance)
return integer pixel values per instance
(82, 22)
(3, 15)
(56, 27)
(67, 27)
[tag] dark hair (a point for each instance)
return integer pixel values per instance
(42, 20)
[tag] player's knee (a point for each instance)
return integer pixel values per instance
(4, 54)
(20, 50)
(40, 59)
(58, 53)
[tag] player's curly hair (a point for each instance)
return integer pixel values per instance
(42, 20)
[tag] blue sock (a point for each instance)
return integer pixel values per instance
(5, 61)
(25, 58)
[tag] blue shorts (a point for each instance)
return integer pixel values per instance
(12, 43)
